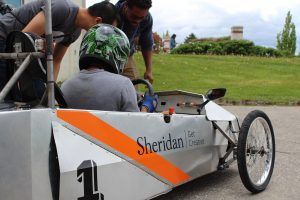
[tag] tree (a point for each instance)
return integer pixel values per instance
(190, 38)
(157, 39)
(286, 40)
(157, 42)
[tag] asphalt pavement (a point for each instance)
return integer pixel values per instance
(285, 182)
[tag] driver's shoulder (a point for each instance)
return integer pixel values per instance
(117, 79)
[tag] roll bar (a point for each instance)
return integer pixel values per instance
(33, 55)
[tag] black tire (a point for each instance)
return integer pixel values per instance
(258, 146)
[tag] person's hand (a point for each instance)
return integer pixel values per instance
(149, 103)
(148, 76)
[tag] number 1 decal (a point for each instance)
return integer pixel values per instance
(87, 174)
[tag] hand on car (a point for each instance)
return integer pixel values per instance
(149, 102)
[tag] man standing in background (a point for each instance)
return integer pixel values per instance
(173, 42)
(136, 21)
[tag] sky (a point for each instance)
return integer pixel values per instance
(262, 19)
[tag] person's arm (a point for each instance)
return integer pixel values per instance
(146, 42)
(36, 25)
(58, 54)
(147, 55)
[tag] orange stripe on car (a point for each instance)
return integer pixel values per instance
(103, 132)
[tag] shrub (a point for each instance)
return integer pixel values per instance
(228, 47)
(266, 52)
(216, 49)
(237, 47)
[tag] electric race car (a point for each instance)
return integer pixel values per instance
(61, 153)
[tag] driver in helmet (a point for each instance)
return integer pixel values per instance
(98, 86)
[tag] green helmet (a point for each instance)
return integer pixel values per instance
(104, 44)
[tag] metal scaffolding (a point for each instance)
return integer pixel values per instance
(35, 55)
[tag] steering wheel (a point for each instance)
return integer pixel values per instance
(150, 91)
(146, 83)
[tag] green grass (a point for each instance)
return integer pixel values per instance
(247, 79)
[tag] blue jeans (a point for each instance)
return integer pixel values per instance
(3, 68)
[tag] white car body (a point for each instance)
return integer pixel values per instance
(80, 154)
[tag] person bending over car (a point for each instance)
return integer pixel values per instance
(98, 86)
(67, 22)
(137, 23)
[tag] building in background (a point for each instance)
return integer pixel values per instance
(237, 33)
(69, 65)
